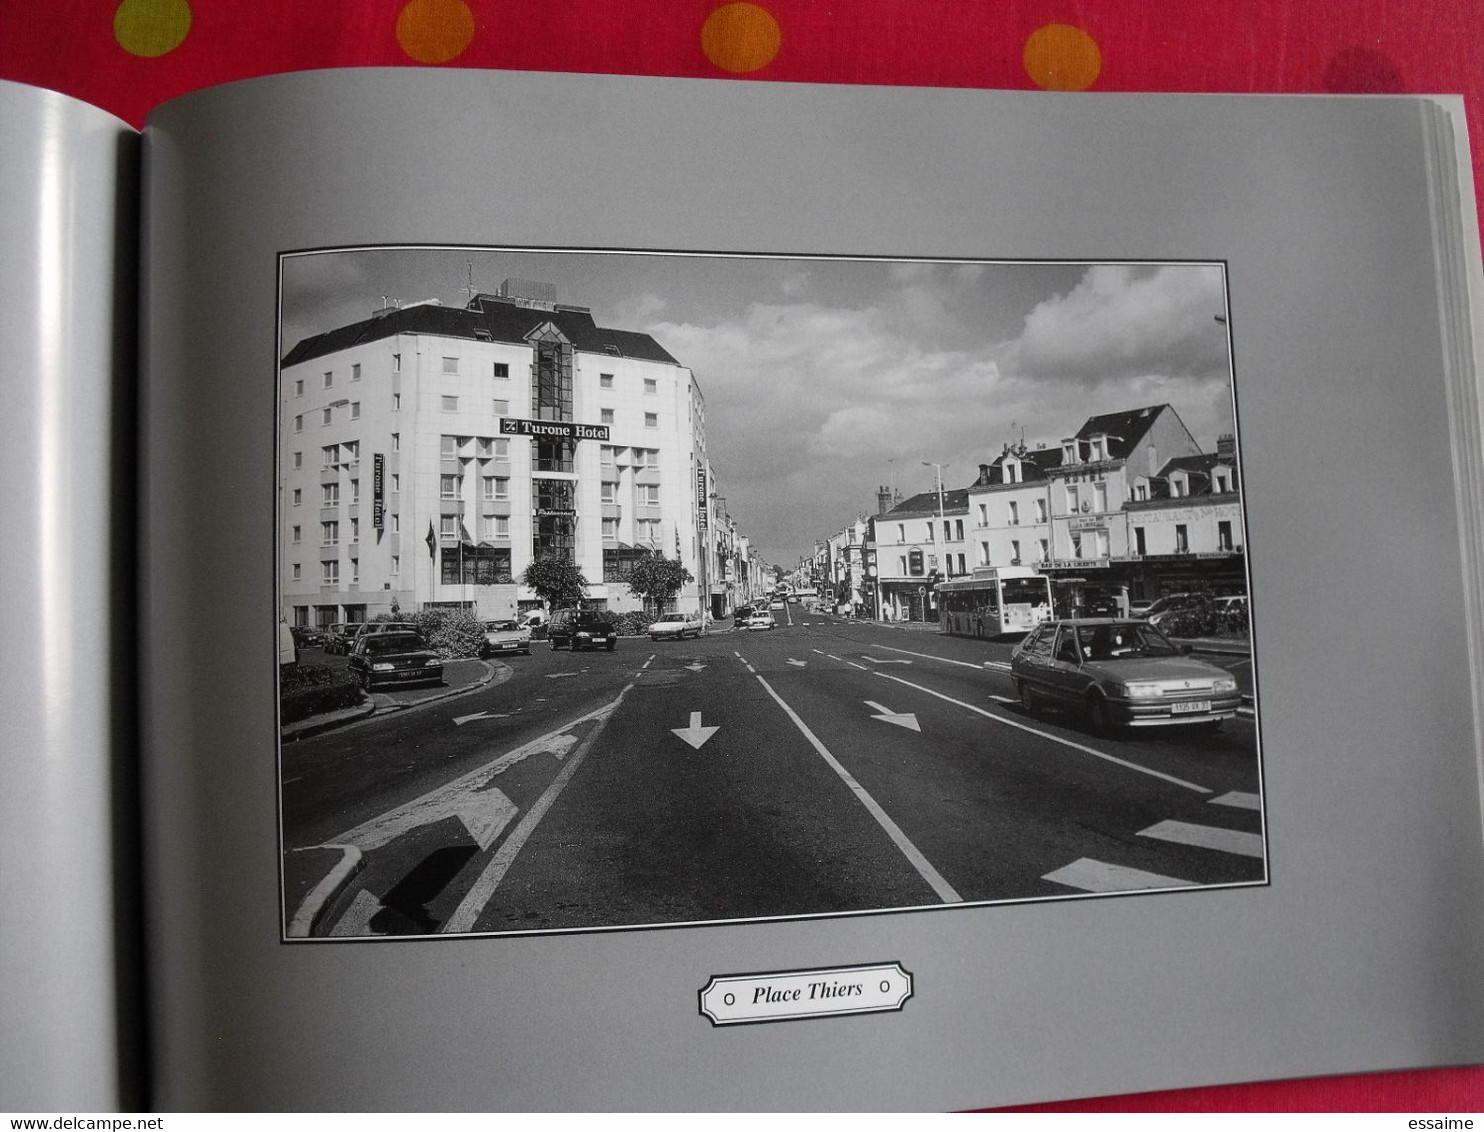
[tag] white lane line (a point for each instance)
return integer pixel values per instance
(1004, 699)
(357, 918)
(648, 662)
(926, 656)
(1206, 837)
(1240, 800)
(750, 668)
(1054, 738)
(997, 665)
(911, 852)
(1099, 876)
(483, 889)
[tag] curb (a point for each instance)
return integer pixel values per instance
(309, 728)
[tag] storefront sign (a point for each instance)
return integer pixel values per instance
(704, 503)
(552, 430)
(378, 479)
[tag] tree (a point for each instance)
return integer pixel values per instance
(557, 581)
(657, 580)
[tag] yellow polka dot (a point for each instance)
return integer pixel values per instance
(435, 31)
(151, 27)
(741, 37)
(1062, 57)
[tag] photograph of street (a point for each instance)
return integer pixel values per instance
(628, 590)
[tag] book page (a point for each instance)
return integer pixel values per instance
(68, 939)
(671, 594)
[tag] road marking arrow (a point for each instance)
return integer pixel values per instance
(874, 660)
(798, 663)
(886, 715)
(695, 667)
(559, 675)
(460, 720)
(695, 734)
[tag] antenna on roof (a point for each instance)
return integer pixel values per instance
(468, 288)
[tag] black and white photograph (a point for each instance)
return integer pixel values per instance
(643, 589)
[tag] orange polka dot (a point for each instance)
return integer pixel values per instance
(741, 37)
(1062, 57)
(151, 28)
(435, 31)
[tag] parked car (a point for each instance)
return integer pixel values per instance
(677, 625)
(370, 628)
(307, 637)
(505, 636)
(1172, 604)
(1120, 672)
(583, 629)
(761, 619)
(395, 658)
(740, 616)
(776, 603)
(342, 637)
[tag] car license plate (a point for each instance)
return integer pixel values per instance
(1191, 707)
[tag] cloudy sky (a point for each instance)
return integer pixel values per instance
(824, 378)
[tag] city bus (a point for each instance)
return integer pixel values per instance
(995, 601)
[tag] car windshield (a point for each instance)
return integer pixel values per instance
(673, 617)
(1179, 601)
(1124, 640)
(393, 642)
(500, 626)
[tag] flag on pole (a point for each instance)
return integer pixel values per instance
(432, 540)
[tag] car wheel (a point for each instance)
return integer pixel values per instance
(1100, 717)
(1028, 698)
(612, 645)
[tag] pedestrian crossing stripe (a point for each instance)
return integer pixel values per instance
(1207, 837)
(1088, 875)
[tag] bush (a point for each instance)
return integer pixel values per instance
(310, 689)
(635, 623)
(452, 633)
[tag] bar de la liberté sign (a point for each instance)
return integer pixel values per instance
(552, 430)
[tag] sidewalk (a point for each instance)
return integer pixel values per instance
(459, 676)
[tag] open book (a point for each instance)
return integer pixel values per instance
(635, 593)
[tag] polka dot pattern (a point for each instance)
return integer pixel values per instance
(151, 28)
(741, 37)
(435, 31)
(1062, 57)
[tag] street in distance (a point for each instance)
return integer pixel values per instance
(586, 626)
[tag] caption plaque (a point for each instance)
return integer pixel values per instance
(784, 996)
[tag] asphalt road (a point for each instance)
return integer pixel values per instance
(822, 767)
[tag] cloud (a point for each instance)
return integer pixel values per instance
(1125, 321)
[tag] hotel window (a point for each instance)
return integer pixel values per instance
(1045, 548)
(648, 494)
(1141, 491)
(298, 572)
(329, 455)
(396, 402)
(1012, 472)
(501, 407)
(502, 449)
(396, 524)
(1071, 498)
(448, 526)
(1014, 551)
(605, 416)
(396, 565)
(396, 481)
(651, 420)
(489, 487)
(609, 491)
(355, 372)
(294, 535)
(329, 379)
(1223, 484)
(610, 529)
(502, 527)
(448, 447)
(450, 403)
(646, 458)
(901, 564)
(984, 514)
(651, 385)
(355, 410)
(329, 534)
(299, 387)
(1139, 547)
(1076, 544)
(502, 371)
(958, 530)
(448, 487)
(502, 487)
(396, 442)
(1096, 448)
(901, 532)
(352, 452)
(1014, 513)
(947, 531)
(450, 365)
(396, 363)
(648, 531)
(298, 496)
(298, 459)
(355, 571)
(1099, 497)
(605, 456)
(1182, 539)
(1040, 510)
(1224, 535)
(330, 494)
(605, 381)
(325, 416)
(298, 424)
(962, 567)
(329, 573)
(984, 554)
(355, 491)
(1100, 544)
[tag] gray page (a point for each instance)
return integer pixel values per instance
(1361, 952)
(68, 183)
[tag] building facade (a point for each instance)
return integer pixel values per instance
(429, 454)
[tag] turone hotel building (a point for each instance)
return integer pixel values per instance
(429, 453)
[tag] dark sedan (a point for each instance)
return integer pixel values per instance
(1120, 673)
(583, 629)
(395, 658)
